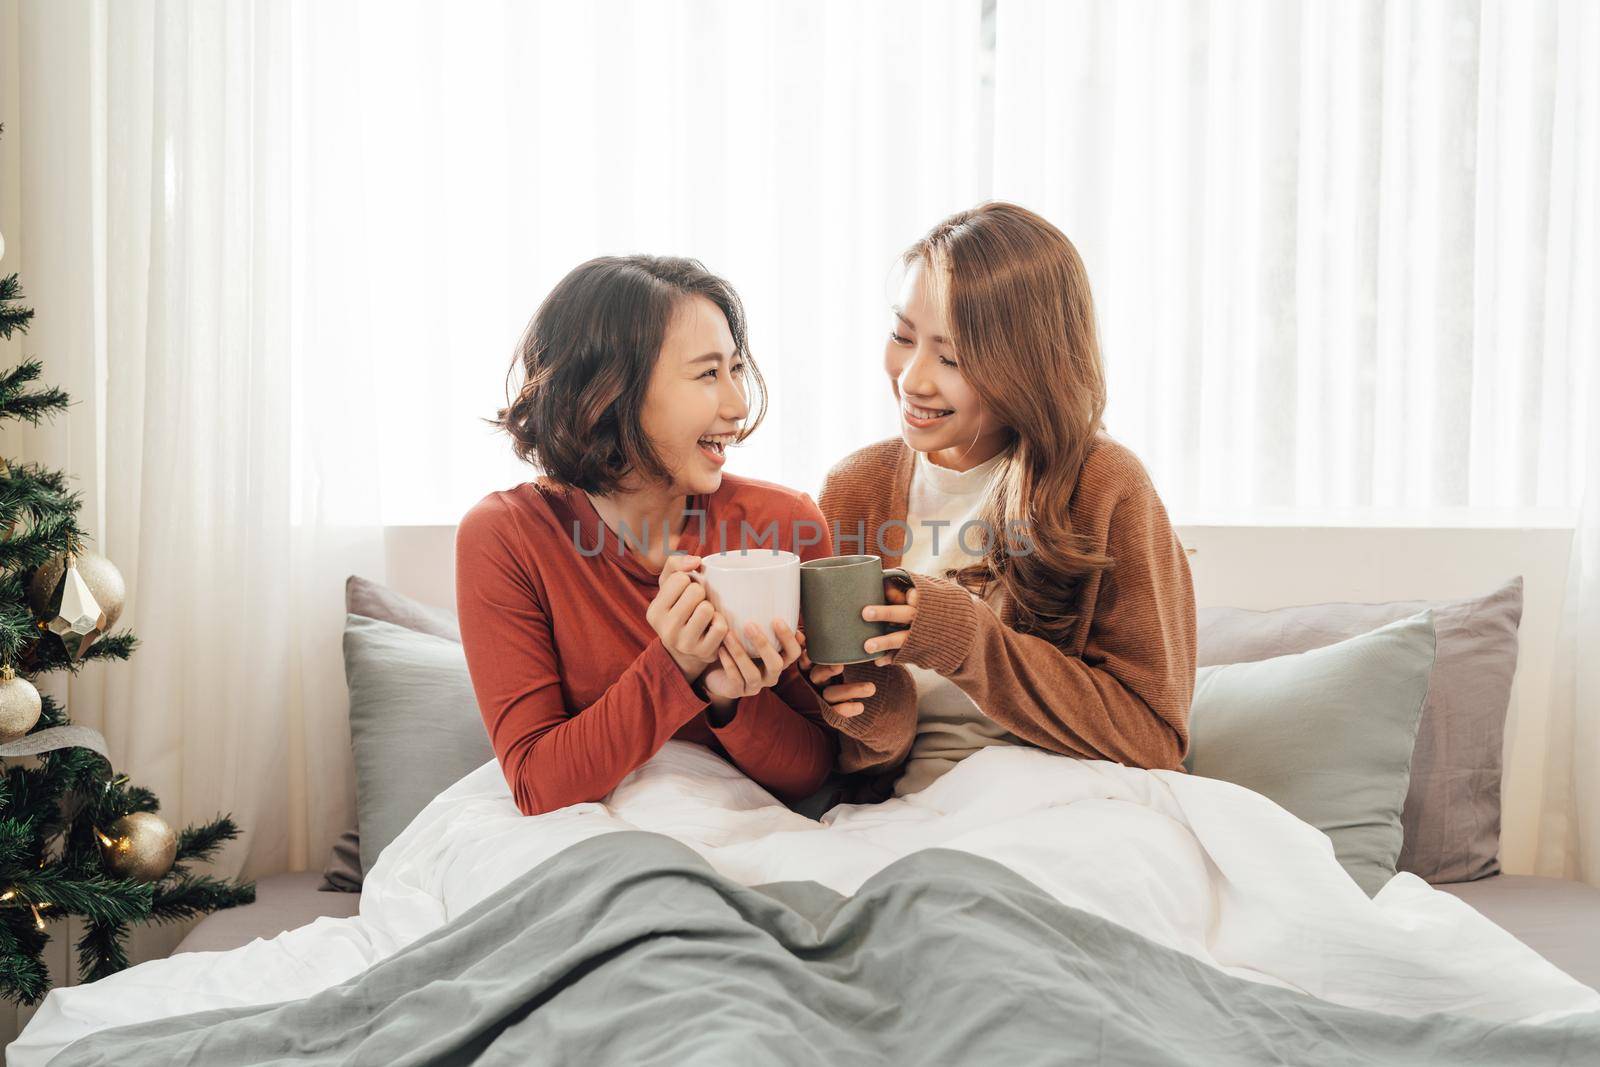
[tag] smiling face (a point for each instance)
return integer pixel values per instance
(696, 401)
(940, 412)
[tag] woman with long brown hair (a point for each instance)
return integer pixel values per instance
(1050, 601)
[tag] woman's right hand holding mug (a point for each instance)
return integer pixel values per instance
(690, 628)
(844, 699)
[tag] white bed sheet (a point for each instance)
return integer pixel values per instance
(1203, 866)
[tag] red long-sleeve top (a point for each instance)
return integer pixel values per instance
(575, 687)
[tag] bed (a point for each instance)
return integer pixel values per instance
(1556, 918)
(692, 916)
(283, 902)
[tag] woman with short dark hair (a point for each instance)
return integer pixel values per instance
(588, 643)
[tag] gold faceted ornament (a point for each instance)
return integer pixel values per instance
(67, 593)
(19, 705)
(140, 846)
(105, 584)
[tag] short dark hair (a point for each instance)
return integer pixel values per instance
(586, 359)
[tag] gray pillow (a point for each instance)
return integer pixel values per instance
(1452, 811)
(1327, 734)
(415, 728)
(363, 596)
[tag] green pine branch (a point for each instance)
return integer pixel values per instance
(196, 843)
(97, 896)
(22, 971)
(53, 480)
(100, 951)
(47, 537)
(29, 488)
(17, 399)
(51, 714)
(26, 798)
(141, 799)
(50, 653)
(74, 772)
(18, 841)
(197, 895)
(13, 316)
(17, 631)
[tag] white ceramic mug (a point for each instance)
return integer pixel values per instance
(753, 585)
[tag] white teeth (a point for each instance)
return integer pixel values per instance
(717, 443)
(924, 413)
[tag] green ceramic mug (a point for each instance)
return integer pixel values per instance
(833, 590)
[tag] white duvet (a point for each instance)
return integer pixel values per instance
(1206, 867)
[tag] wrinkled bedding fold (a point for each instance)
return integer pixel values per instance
(1026, 904)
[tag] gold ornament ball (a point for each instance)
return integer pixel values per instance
(44, 583)
(142, 846)
(19, 708)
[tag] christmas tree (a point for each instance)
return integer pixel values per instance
(75, 838)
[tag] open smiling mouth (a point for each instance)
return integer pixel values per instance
(715, 445)
(920, 416)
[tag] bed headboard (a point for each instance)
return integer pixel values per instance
(1271, 566)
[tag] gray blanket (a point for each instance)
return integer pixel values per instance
(629, 949)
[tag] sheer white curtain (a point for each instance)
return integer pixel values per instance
(1347, 259)
(1343, 252)
(152, 156)
(459, 159)
(1569, 825)
(280, 253)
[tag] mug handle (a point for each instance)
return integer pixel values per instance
(901, 575)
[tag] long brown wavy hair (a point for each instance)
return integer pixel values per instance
(1016, 300)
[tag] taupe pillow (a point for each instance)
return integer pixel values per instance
(1452, 810)
(367, 598)
(374, 601)
(1327, 734)
(342, 873)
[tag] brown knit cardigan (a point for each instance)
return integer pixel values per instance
(1117, 689)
